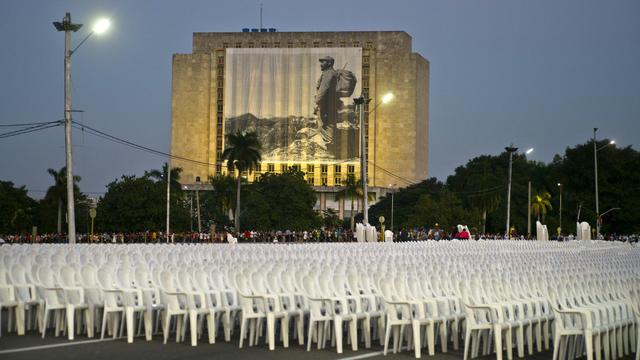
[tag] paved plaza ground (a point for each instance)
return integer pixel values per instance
(32, 346)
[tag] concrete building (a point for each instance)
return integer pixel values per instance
(397, 133)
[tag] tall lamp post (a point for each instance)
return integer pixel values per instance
(510, 149)
(393, 192)
(560, 222)
(67, 26)
(359, 104)
(595, 166)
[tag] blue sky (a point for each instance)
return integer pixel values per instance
(536, 73)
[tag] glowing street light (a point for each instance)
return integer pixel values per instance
(67, 26)
(529, 151)
(359, 103)
(595, 166)
(101, 26)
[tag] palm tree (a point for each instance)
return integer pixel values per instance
(242, 153)
(223, 191)
(541, 204)
(59, 190)
(161, 175)
(353, 189)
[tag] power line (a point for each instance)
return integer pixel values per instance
(29, 129)
(29, 124)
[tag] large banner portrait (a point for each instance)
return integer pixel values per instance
(298, 101)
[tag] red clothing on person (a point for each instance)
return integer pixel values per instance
(464, 235)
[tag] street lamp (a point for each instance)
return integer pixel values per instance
(510, 149)
(595, 163)
(67, 26)
(392, 186)
(560, 222)
(359, 103)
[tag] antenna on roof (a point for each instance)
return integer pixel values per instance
(260, 16)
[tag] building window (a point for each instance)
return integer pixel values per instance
(251, 45)
(219, 107)
(283, 168)
(271, 168)
(303, 44)
(238, 44)
(220, 95)
(290, 44)
(343, 44)
(316, 44)
(310, 169)
(324, 168)
(337, 169)
(218, 168)
(310, 180)
(351, 169)
(276, 44)
(324, 181)
(369, 44)
(356, 44)
(295, 167)
(329, 44)
(365, 59)
(337, 181)
(264, 45)
(220, 59)
(225, 45)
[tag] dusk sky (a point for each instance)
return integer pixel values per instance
(537, 73)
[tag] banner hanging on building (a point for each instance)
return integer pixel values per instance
(298, 100)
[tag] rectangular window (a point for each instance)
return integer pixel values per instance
(310, 169)
(351, 169)
(337, 181)
(343, 44)
(225, 45)
(295, 167)
(356, 44)
(220, 108)
(290, 44)
(251, 45)
(264, 45)
(238, 44)
(337, 169)
(303, 44)
(316, 44)
(218, 168)
(369, 44)
(310, 180)
(329, 44)
(220, 95)
(324, 168)
(283, 168)
(365, 59)
(276, 44)
(271, 168)
(220, 59)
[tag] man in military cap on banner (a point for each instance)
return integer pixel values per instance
(326, 96)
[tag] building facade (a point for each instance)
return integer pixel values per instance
(273, 83)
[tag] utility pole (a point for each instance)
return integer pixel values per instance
(168, 197)
(510, 149)
(67, 26)
(529, 211)
(360, 102)
(595, 163)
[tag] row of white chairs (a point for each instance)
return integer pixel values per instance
(496, 296)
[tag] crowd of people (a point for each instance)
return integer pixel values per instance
(287, 236)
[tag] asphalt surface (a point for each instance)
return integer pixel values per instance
(32, 346)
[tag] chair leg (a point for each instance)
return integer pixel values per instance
(353, 332)
(416, 338)
(467, 341)
(431, 338)
(211, 327)
(310, 335)
(148, 327)
(498, 339)
(337, 322)
(243, 330)
(271, 331)
(44, 321)
(387, 334)
(193, 324)
(129, 320)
